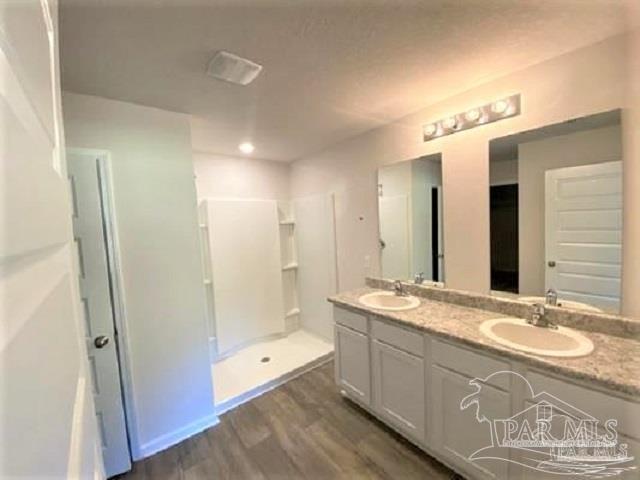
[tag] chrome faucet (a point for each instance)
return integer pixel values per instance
(419, 278)
(538, 317)
(399, 288)
(551, 297)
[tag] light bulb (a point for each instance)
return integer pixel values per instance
(472, 115)
(500, 106)
(450, 123)
(246, 147)
(430, 130)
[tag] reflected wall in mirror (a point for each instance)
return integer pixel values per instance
(410, 219)
(556, 213)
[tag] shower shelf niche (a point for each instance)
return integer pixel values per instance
(289, 261)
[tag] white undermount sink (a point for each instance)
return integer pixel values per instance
(389, 301)
(563, 303)
(516, 333)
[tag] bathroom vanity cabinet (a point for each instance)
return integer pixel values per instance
(415, 383)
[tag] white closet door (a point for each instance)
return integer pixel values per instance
(244, 242)
(584, 233)
(86, 175)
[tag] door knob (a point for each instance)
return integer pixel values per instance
(101, 341)
(551, 263)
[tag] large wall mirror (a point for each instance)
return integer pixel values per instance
(556, 213)
(410, 219)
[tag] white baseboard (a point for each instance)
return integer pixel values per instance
(169, 439)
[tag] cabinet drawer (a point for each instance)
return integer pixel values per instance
(412, 342)
(469, 363)
(356, 321)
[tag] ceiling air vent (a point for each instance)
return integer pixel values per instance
(231, 68)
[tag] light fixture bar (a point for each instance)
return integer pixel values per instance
(491, 112)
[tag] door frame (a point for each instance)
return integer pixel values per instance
(112, 247)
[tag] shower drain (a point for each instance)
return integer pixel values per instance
(265, 359)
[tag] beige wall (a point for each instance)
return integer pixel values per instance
(583, 82)
(157, 228)
(535, 158)
(503, 172)
(236, 177)
(631, 218)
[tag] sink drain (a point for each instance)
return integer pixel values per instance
(265, 359)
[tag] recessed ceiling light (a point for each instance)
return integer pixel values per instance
(246, 147)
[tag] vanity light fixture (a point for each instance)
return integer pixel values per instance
(430, 129)
(450, 123)
(491, 112)
(499, 107)
(473, 115)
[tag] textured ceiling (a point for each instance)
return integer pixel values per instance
(332, 69)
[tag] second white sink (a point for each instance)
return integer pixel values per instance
(516, 333)
(389, 301)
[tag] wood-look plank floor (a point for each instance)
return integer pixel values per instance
(301, 430)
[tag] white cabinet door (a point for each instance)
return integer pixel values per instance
(567, 402)
(398, 386)
(456, 434)
(352, 363)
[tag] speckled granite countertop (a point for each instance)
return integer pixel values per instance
(614, 363)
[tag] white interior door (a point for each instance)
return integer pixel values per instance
(395, 236)
(87, 177)
(47, 420)
(244, 242)
(584, 233)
